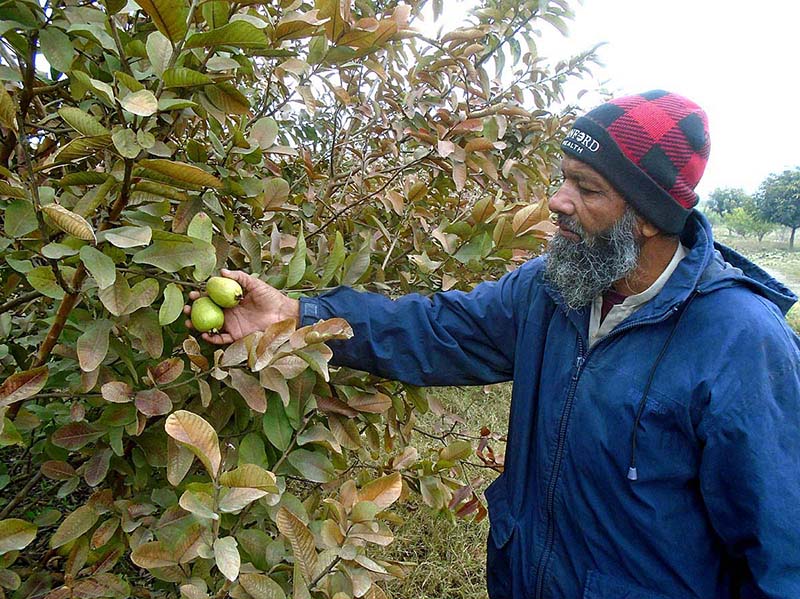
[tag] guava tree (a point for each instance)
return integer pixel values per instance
(778, 200)
(145, 146)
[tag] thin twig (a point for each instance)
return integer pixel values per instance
(22, 495)
(18, 301)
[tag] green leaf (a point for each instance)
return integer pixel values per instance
(476, 249)
(131, 83)
(81, 148)
(276, 424)
(335, 260)
(20, 218)
(12, 191)
(261, 586)
(264, 132)
(57, 48)
(238, 34)
(159, 52)
(100, 266)
(43, 280)
(82, 122)
(167, 104)
(312, 466)
(144, 327)
(297, 263)
(226, 556)
(183, 77)
(92, 345)
(172, 307)
(169, 16)
(227, 98)
(215, 13)
(76, 524)
(198, 503)
(201, 227)
(92, 199)
(127, 237)
(171, 252)
(141, 103)
(120, 299)
(125, 143)
(82, 178)
(356, 265)
(16, 534)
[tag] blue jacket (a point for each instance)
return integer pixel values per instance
(707, 374)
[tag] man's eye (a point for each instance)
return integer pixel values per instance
(583, 189)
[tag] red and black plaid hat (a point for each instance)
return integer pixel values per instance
(652, 147)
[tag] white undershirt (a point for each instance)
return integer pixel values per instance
(620, 312)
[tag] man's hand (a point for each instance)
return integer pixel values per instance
(261, 306)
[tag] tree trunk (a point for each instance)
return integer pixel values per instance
(791, 239)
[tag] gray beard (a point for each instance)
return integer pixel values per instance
(582, 270)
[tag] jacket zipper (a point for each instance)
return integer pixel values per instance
(551, 487)
(580, 363)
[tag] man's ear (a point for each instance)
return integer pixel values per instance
(647, 229)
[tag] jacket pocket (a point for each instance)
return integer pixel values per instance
(605, 586)
(499, 562)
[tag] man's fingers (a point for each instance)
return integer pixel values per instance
(247, 281)
(218, 339)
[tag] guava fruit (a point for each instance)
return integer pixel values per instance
(206, 315)
(225, 292)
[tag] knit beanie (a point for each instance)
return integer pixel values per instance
(651, 147)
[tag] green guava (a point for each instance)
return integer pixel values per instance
(225, 292)
(207, 316)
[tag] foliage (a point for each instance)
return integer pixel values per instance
(778, 200)
(746, 221)
(724, 200)
(313, 144)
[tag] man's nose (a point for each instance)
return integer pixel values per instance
(561, 201)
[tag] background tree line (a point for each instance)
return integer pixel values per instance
(775, 203)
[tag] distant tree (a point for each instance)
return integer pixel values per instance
(745, 220)
(778, 200)
(724, 200)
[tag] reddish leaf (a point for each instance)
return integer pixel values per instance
(117, 392)
(153, 402)
(97, 467)
(57, 470)
(250, 389)
(375, 403)
(75, 435)
(22, 385)
(167, 371)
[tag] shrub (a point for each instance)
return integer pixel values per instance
(311, 144)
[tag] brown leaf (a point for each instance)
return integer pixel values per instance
(75, 435)
(250, 389)
(104, 532)
(57, 470)
(198, 436)
(167, 371)
(153, 402)
(375, 403)
(22, 385)
(96, 467)
(92, 345)
(117, 392)
(384, 491)
(272, 379)
(301, 540)
(179, 461)
(69, 222)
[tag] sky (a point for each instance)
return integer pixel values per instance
(737, 59)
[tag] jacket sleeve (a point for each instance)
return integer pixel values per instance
(750, 468)
(451, 338)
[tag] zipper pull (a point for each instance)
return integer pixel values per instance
(578, 365)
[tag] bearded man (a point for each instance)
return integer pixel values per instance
(654, 436)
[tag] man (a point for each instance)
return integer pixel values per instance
(654, 438)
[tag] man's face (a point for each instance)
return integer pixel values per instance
(598, 241)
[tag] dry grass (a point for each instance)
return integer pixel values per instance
(450, 556)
